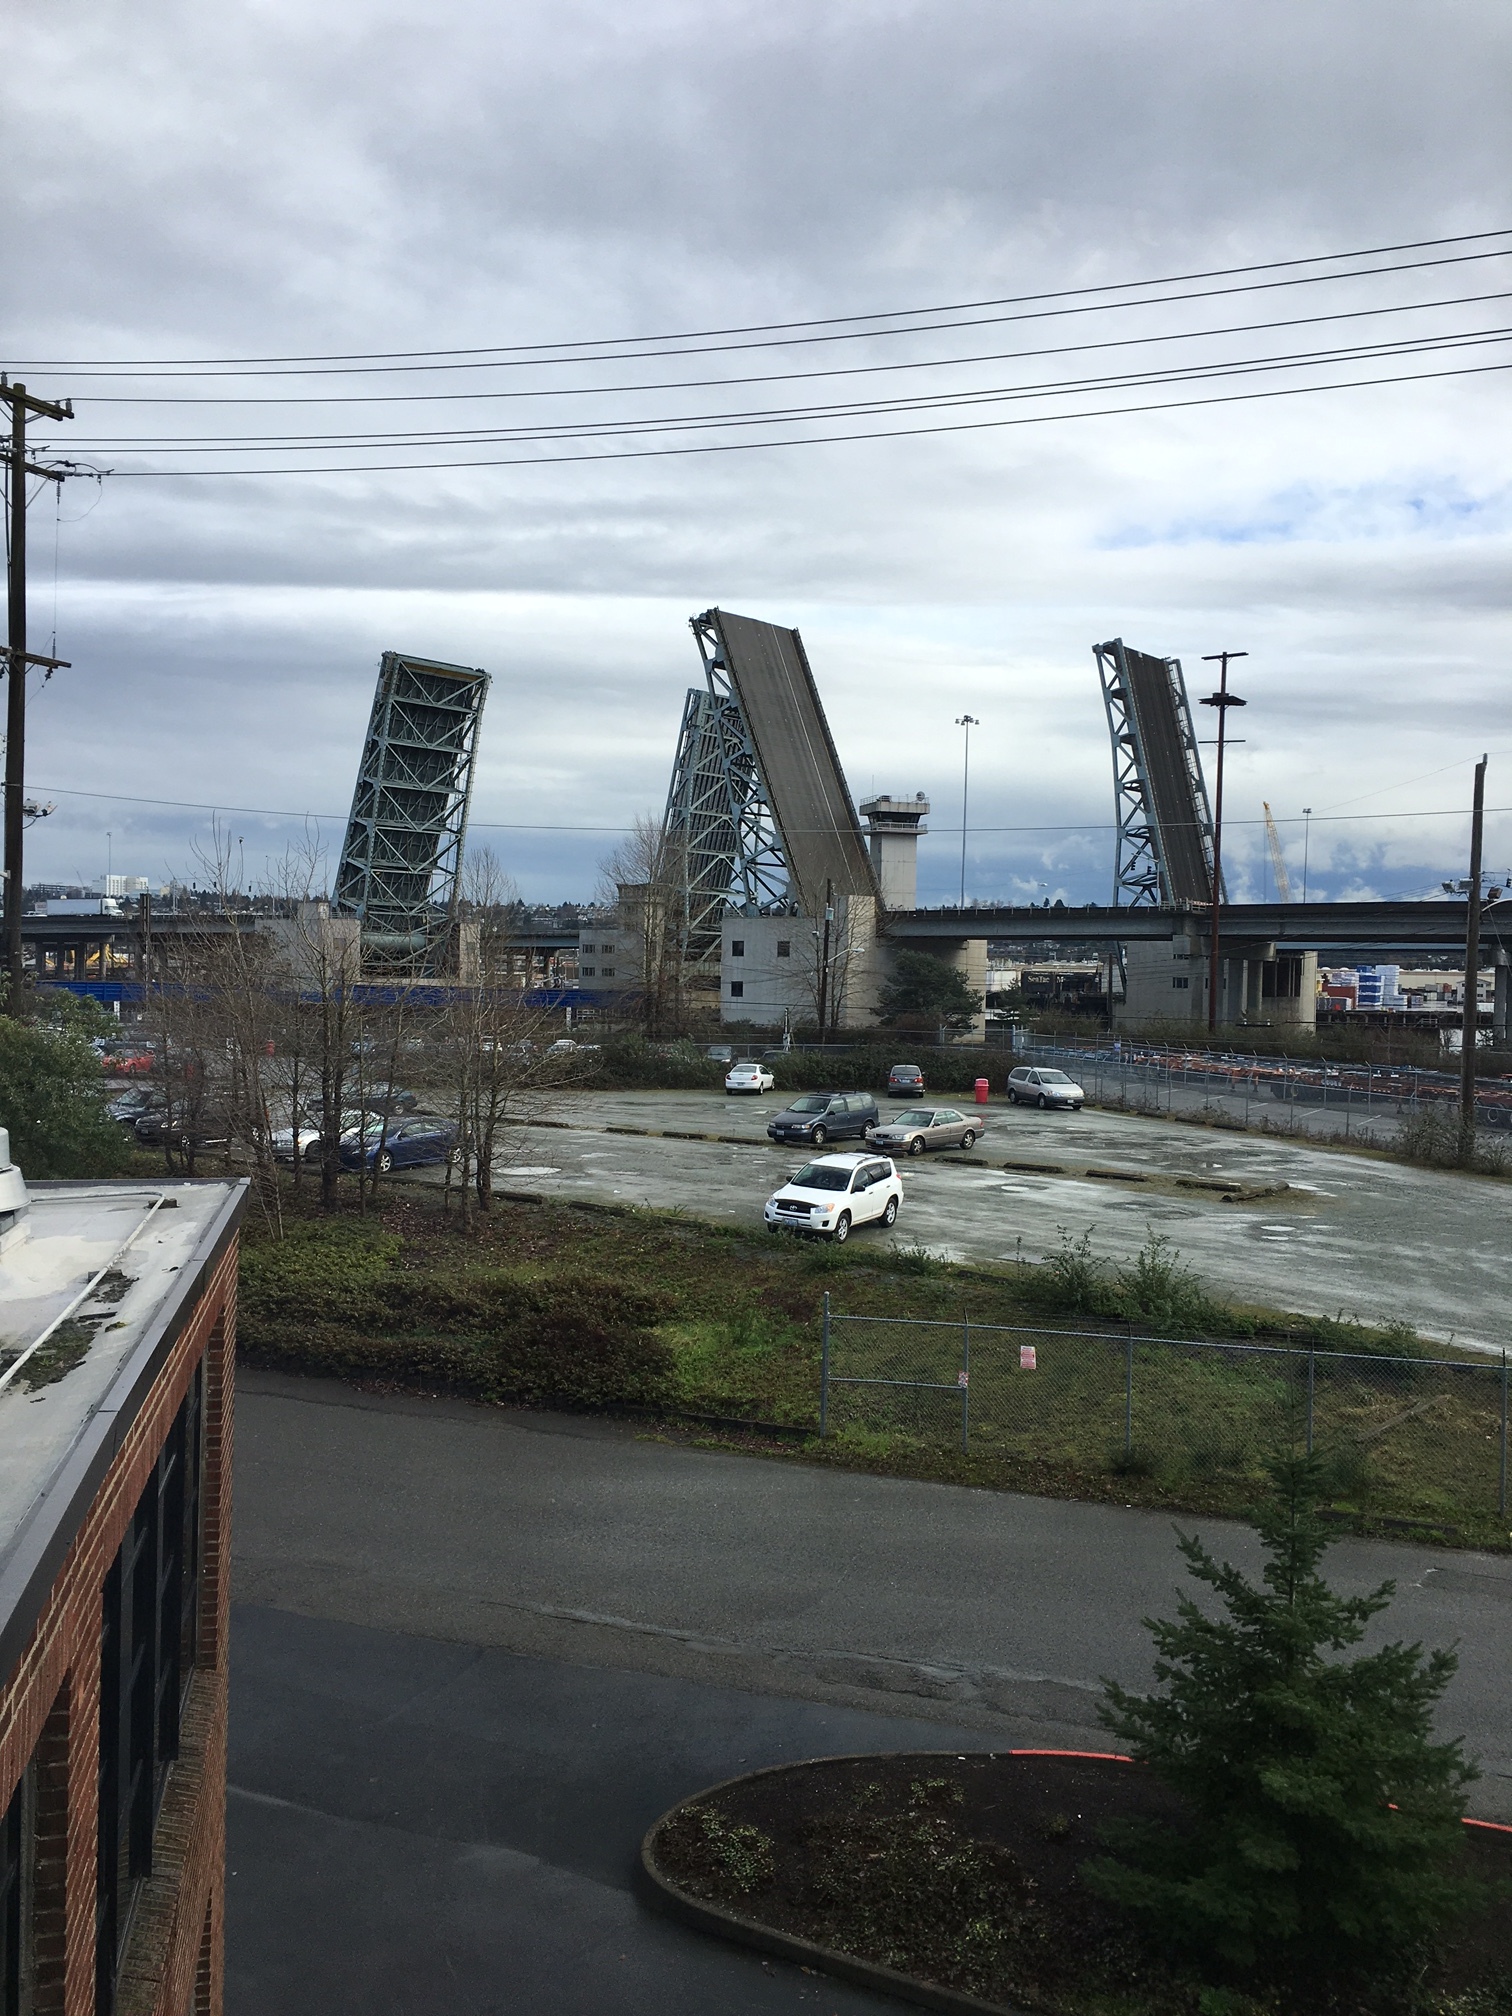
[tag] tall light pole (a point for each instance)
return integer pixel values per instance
(1222, 700)
(968, 722)
(1306, 837)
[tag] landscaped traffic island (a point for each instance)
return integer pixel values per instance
(958, 1882)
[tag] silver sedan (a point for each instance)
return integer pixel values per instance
(924, 1127)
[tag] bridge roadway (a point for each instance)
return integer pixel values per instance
(1298, 927)
(1405, 927)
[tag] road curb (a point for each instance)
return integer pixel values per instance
(664, 1895)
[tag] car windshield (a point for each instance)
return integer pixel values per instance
(918, 1116)
(1053, 1078)
(822, 1176)
(906, 1071)
(816, 1102)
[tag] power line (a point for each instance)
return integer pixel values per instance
(779, 377)
(824, 440)
(820, 322)
(547, 826)
(839, 409)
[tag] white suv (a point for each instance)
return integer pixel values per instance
(835, 1194)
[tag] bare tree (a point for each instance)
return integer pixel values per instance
(497, 1054)
(645, 878)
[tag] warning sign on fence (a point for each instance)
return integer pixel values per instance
(1027, 1360)
(961, 1379)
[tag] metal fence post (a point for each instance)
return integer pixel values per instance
(1501, 1488)
(1129, 1393)
(1311, 1364)
(824, 1355)
(965, 1381)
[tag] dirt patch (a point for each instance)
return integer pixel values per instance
(962, 1871)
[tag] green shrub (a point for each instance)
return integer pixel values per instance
(52, 1101)
(1160, 1292)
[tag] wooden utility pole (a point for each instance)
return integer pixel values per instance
(17, 658)
(1470, 1022)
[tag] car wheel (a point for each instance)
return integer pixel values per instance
(384, 1162)
(890, 1215)
(1013, 1099)
(842, 1228)
(1042, 1102)
(819, 1136)
(968, 1139)
(454, 1156)
(916, 1146)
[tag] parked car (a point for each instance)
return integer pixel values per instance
(836, 1193)
(400, 1144)
(825, 1116)
(1028, 1087)
(924, 1127)
(131, 1105)
(720, 1053)
(131, 1062)
(749, 1078)
(200, 1130)
(906, 1081)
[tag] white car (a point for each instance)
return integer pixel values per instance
(835, 1194)
(749, 1078)
(1028, 1087)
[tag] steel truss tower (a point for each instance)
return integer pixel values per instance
(402, 859)
(1164, 852)
(719, 817)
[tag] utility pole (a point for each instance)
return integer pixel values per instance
(17, 658)
(1222, 700)
(824, 957)
(1470, 1023)
(968, 722)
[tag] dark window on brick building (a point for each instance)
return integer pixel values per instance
(737, 990)
(737, 948)
(16, 1850)
(149, 1639)
(784, 948)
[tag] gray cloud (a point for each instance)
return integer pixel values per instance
(270, 180)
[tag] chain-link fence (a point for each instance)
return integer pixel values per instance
(1290, 1092)
(1418, 1441)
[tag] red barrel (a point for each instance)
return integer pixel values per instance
(981, 1091)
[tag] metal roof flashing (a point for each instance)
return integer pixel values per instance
(93, 1297)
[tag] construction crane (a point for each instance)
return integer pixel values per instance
(1278, 859)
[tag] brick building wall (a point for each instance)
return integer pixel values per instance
(50, 1715)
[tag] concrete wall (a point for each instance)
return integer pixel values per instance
(769, 968)
(1168, 982)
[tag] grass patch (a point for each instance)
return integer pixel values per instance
(551, 1305)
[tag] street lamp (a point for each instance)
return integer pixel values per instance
(1222, 700)
(968, 722)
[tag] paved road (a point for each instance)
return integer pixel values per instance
(1374, 1238)
(576, 1540)
(419, 1827)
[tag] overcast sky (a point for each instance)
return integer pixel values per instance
(287, 180)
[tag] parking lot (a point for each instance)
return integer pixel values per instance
(1354, 1233)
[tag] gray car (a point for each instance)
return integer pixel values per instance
(924, 1127)
(1028, 1087)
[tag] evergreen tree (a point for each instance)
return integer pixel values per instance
(1324, 1819)
(52, 1097)
(925, 992)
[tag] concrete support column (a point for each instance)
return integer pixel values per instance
(1501, 1000)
